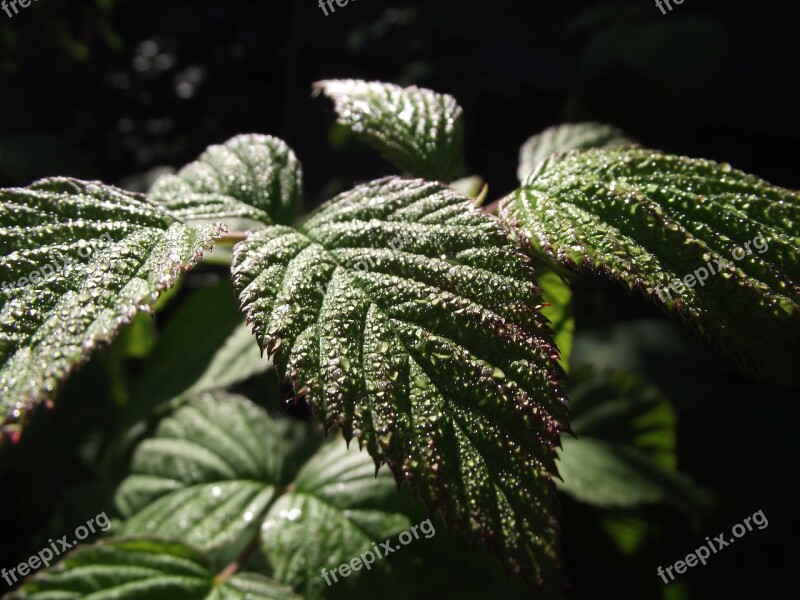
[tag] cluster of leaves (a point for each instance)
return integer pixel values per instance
(415, 321)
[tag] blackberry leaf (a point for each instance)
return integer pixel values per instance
(408, 319)
(249, 181)
(415, 129)
(220, 472)
(145, 568)
(77, 261)
(713, 244)
(563, 138)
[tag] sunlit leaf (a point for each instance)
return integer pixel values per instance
(410, 320)
(713, 244)
(246, 182)
(418, 130)
(77, 261)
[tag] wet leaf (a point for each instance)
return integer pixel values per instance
(410, 320)
(145, 568)
(713, 244)
(335, 510)
(246, 182)
(563, 138)
(220, 471)
(77, 261)
(415, 129)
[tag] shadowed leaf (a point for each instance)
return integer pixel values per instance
(220, 471)
(136, 569)
(624, 454)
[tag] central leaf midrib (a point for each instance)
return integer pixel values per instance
(387, 318)
(379, 307)
(399, 338)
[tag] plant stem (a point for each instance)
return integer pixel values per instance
(492, 208)
(237, 563)
(251, 547)
(231, 239)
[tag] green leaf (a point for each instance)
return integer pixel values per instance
(471, 187)
(335, 510)
(558, 295)
(236, 360)
(206, 477)
(247, 182)
(252, 586)
(563, 138)
(409, 319)
(219, 472)
(653, 220)
(624, 454)
(619, 408)
(603, 474)
(415, 129)
(453, 568)
(145, 569)
(138, 339)
(77, 261)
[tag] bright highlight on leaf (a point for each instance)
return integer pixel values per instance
(408, 318)
(134, 569)
(418, 130)
(563, 138)
(246, 182)
(77, 261)
(716, 245)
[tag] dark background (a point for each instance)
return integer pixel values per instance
(115, 87)
(111, 89)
